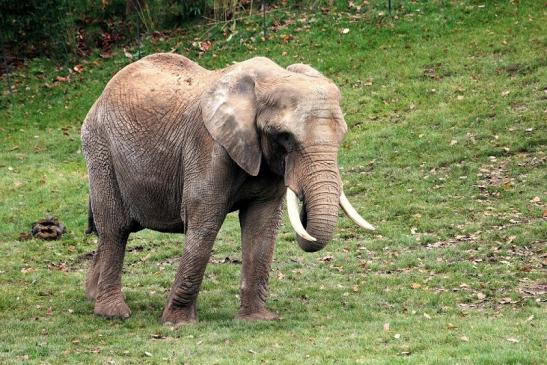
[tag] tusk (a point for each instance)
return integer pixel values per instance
(294, 216)
(352, 213)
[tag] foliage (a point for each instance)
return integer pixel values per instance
(66, 30)
(58, 29)
(445, 102)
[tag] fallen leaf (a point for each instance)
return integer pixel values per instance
(415, 285)
(535, 199)
(506, 300)
(481, 296)
(505, 93)
(25, 236)
(464, 338)
(127, 54)
(450, 326)
(427, 316)
(78, 69)
(513, 339)
(146, 353)
(205, 46)
(105, 54)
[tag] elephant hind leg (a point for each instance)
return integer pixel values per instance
(103, 282)
(113, 224)
(106, 270)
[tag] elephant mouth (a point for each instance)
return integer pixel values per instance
(312, 177)
(313, 237)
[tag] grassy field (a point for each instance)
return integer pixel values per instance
(446, 105)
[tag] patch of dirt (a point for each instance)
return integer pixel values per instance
(226, 260)
(136, 249)
(85, 257)
(522, 69)
(497, 173)
(529, 289)
(59, 266)
(471, 237)
(24, 236)
(436, 71)
(494, 174)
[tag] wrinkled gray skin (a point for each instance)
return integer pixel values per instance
(173, 147)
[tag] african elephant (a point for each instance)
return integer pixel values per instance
(173, 147)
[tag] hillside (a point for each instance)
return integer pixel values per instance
(445, 154)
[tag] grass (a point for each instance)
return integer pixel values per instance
(446, 155)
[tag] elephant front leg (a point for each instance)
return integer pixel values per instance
(259, 225)
(181, 305)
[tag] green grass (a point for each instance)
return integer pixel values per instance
(446, 154)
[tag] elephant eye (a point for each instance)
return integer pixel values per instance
(283, 136)
(284, 139)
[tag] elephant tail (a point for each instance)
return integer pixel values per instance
(90, 221)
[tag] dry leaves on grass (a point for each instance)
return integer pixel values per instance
(59, 266)
(226, 260)
(78, 68)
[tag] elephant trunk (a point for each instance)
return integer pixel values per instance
(314, 177)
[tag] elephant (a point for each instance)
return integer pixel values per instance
(174, 147)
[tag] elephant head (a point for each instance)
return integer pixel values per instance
(290, 121)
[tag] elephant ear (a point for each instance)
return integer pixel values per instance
(302, 68)
(229, 114)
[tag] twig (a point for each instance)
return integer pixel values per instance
(264, 18)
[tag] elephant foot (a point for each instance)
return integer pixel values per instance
(91, 290)
(112, 308)
(261, 315)
(177, 317)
